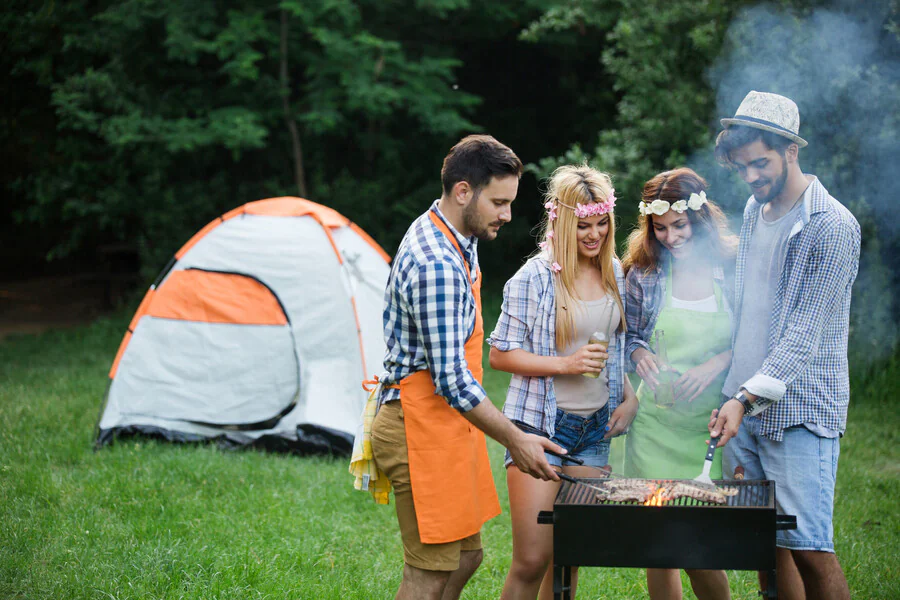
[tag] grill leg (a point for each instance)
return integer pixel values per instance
(562, 582)
(771, 586)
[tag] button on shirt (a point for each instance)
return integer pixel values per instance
(765, 260)
(430, 312)
(805, 369)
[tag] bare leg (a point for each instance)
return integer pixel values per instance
(546, 591)
(532, 543)
(789, 582)
(709, 585)
(419, 583)
(664, 584)
(468, 562)
(822, 575)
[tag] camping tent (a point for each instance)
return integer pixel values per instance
(259, 332)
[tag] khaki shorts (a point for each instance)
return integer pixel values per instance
(392, 457)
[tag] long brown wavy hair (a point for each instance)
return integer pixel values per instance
(709, 225)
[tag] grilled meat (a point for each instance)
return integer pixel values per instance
(686, 489)
(641, 490)
(626, 490)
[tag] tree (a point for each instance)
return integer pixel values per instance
(168, 114)
(657, 54)
(678, 66)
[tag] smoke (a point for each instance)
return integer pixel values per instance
(841, 65)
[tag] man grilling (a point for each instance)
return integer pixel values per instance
(788, 382)
(427, 436)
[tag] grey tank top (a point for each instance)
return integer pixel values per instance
(575, 393)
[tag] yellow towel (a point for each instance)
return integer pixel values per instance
(367, 476)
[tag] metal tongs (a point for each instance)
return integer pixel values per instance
(535, 431)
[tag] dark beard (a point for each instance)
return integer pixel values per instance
(471, 222)
(777, 186)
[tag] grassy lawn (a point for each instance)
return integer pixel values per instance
(144, 519)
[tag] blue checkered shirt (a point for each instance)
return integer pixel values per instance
(806, 370)
(645, 295)
(528, 321)
(430, 312)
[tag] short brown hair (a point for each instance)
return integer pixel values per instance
(709, 224)
(738, 136)
(477, 158)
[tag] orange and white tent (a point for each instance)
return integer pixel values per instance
(258, 332)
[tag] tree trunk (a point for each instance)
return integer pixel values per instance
(299, 173)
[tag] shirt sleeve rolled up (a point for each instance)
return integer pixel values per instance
(831, 270)
(518, 313)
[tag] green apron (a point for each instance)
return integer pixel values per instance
(669, 443)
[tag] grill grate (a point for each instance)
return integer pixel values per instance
(751, 494)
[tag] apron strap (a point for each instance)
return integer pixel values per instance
(446, 230)
(668, 266)
(717, 290)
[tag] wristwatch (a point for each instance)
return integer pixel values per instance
(744, 400)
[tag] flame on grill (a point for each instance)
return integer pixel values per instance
(656, 499)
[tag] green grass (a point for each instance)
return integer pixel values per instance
(143, 519)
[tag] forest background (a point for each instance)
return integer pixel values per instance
(133, 123)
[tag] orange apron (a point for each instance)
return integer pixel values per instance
(452, 485)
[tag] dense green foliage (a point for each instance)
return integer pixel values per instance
(143, 519)
(680, 65)
(142, 120)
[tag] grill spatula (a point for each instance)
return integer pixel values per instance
(703, 480)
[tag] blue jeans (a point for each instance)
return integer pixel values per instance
(582, 437)
(804, 469)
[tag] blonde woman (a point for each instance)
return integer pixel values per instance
(680, 265)
(551, 306)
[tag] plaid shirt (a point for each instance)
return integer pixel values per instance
(806, 370)
(429, 313)
(645, 295)
(528, 321)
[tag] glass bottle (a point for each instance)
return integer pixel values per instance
(665, 392)
(598, 337)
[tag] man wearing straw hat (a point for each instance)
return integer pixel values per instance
(789, 383)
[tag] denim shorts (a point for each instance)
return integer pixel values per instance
(581, 436)
(804, 468)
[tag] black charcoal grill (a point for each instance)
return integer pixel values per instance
(680, 534)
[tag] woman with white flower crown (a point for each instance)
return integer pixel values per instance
(564, 387)
(679, 264)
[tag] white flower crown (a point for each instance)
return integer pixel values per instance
(661, 207)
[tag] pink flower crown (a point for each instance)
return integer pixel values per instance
(583, 211)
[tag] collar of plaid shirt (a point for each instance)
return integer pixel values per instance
(425, 326)
(806, 371)
(815, 200)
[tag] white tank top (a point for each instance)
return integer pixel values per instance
(706, 305)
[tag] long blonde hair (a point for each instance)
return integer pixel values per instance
(571, 185)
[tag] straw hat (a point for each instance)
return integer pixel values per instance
(769, 112)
